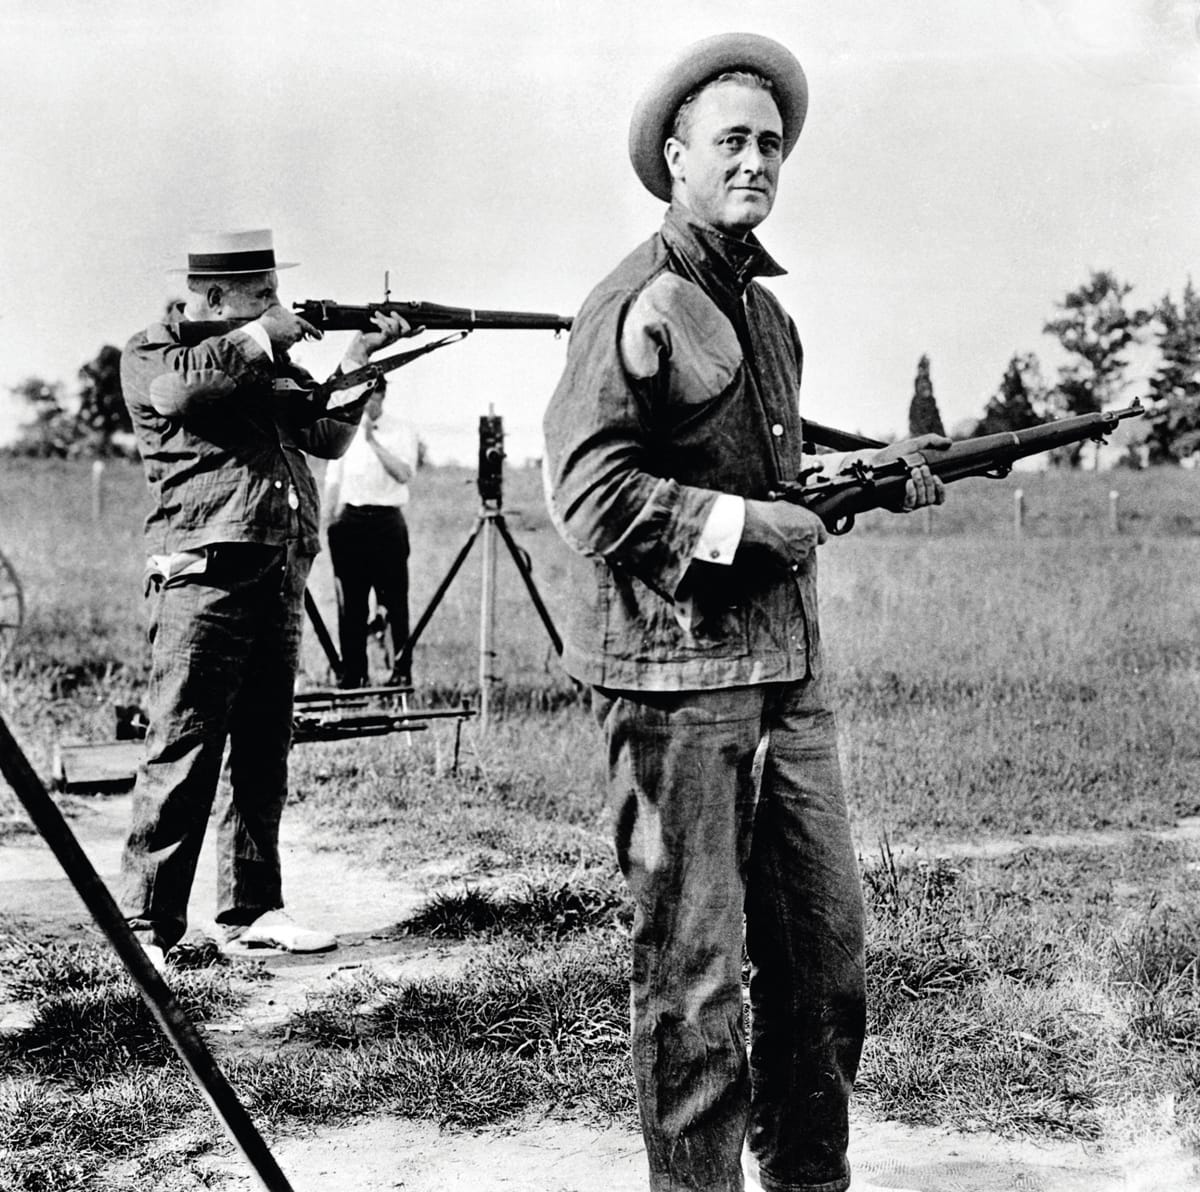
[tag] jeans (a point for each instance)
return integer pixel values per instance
(368, 546)
(729, 814)
(224, 651)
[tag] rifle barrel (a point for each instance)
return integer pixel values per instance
(334, 316)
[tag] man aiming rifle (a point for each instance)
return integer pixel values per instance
(223, 423)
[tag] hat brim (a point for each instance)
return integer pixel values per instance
(700, 62)
(232, 272)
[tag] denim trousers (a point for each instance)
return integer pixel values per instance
(224, 651)
(731, 825)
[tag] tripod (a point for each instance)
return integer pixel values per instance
(489, 525)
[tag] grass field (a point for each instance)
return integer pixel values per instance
(1026, 702)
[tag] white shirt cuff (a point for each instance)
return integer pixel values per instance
(258, 333)
(722, 531)
(347, 397)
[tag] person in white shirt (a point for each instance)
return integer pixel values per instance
(366, 491)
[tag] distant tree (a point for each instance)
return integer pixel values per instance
(1175, 389)
(51, 431)
(923, 415)
(1097, 329)
(102, 410)
(1019, 402)
(96, 425)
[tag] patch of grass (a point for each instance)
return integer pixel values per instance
(995, 1008)
(452, 1085)
(538, 910)
(521, 797)
(535, 1024)
(89, 1023)
(52, 1139)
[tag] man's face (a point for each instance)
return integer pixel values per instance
(727, 170)
(248, 297)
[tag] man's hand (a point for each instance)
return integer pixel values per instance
(789, 532)
(923, 487)
(365, 343)
(284, 327)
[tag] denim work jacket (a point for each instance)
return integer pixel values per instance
(223, 441)
(681, 382)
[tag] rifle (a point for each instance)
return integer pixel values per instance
(837, 500)
(327, 315)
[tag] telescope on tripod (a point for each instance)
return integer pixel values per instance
(490, 528)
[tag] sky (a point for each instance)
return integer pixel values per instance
(964, 165)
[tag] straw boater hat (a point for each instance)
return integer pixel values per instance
(226, 254)
(700, 62)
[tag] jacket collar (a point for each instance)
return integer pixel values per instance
(730, 262)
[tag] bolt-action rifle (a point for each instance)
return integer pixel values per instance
(838, 499)
(326, 315)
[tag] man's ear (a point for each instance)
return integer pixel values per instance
(673, 154)
(214, 296)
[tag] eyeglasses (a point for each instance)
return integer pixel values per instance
(734, 144)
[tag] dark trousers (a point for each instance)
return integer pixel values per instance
(224, 651)
(728, 810)
(368, 546)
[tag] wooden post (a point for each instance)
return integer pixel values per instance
(1018, 511)
(1114, 511)
(97, 489)
(928, 519)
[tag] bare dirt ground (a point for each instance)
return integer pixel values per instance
(363, 906)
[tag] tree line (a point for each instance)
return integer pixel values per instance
(1095, 324)
(1098, 329)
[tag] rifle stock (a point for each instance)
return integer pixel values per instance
(326, 315)
(838, 500)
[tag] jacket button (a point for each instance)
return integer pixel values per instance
(777, 430)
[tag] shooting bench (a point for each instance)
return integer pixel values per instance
(109, 767)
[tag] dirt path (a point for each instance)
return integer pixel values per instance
(363, 906)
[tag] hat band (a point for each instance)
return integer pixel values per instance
(262, 261)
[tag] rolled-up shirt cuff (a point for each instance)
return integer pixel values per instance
(258, 333)
(722, 531)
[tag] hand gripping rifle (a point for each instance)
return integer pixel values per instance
(837, 500)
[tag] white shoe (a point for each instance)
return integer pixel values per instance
(276, 929)
(754, 1184)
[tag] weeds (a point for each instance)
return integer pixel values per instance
(537, 911)
(516, 1029)
(89, 1023)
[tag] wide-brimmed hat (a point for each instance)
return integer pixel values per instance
(226, 254)
(700, 62)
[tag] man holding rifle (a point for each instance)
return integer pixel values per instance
(675, 420)
(223, 424)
